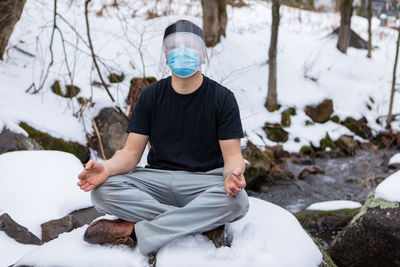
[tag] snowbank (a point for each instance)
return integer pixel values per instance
(267, 236)
(334, 205)
(389, 189)
(38, 186)
(11, 250)
(395, 159)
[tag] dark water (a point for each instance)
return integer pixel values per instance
(345, 178)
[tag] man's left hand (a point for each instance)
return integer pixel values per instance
(234, 182)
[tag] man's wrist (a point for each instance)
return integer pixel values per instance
(228, 173)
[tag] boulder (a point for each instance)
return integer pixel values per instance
(10, 141)
(49, 142)
(112, 126)
(372, 238)
(324, 225)
(359, 127)
(17, 232)
(321, 112)
(76, 219)
(275, 132)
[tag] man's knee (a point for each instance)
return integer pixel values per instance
(99, 196)
(239, 204)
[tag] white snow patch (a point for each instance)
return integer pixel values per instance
(389, 189)
(38, 186)
(395, 159)
(334, 205)
(11, 250)
(267, 236)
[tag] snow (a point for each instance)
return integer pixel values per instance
(395, 159)
(389, 189)
(334, 205)
(38, 186)
(126, 41)
(267, 236)
(11, 250)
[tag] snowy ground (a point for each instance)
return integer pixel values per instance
(126, 41)
(267, 236)
(389, 189)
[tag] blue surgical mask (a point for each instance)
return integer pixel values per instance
(183, 62)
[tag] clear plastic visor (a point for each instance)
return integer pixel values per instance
(188, 40)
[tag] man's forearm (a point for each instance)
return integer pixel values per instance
(234, 163)
(122, 162)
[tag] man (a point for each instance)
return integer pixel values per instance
(194, 179)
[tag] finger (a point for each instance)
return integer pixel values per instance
(86, 185)
(235, 190)
(237, 172)
(81, 182)
(91, 187)
(82, 175)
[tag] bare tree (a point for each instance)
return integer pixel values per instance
(272, 100)
(390, 115)
(214, 20)
(346, 10)
(369, 17)
(10, 12)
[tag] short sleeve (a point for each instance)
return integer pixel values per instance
(140, 119)
(229, 125)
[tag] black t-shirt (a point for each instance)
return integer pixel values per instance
(184, 129)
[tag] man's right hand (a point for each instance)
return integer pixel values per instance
(94, 174)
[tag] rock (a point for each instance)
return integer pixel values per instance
(324, 225)
(112, 126)
(51, 143)
(137, 85)
(116, 78)
(321, 112)
(310, 170)
(385, 139)
(347, 144)
(260, 165)
(359, 127)
(335, 119)
(285, 116)
(275, 132)
(326, 142)
(17, 232)
(76, 219)
(306, 150)
(10, 141)
(355, 40)
(372, 238)
(71, 90)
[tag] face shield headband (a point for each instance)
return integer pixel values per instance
(184, 47)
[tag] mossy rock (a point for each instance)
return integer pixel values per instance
(51, 143)
(325, 225)
(275, 132)
(347, 144)
(70, 92)
(326, 142)
(56, 88)
(335, 119)
(308, 123)
(321, 112)
(359, 127)
(306, 150)
(116, 78)
(285, 116)
(372, 238)
(10, 141)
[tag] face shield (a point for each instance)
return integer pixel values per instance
(184, 49)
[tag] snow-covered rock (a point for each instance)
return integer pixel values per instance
(267, 236)
(334, 205)
(11, 250)
(395, 159)
(389, 189)
(38, 186)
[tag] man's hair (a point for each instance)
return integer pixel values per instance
(183, 21)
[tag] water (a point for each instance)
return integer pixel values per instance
(345, 178)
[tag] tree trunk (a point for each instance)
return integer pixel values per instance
(272, 100)
(390, 115)
(346, 10)
(214, 20)
(10, 12)
(369, 16)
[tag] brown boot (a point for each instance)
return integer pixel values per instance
(114, 232)
(218, 237)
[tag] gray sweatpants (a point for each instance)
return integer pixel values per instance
(169, 204)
